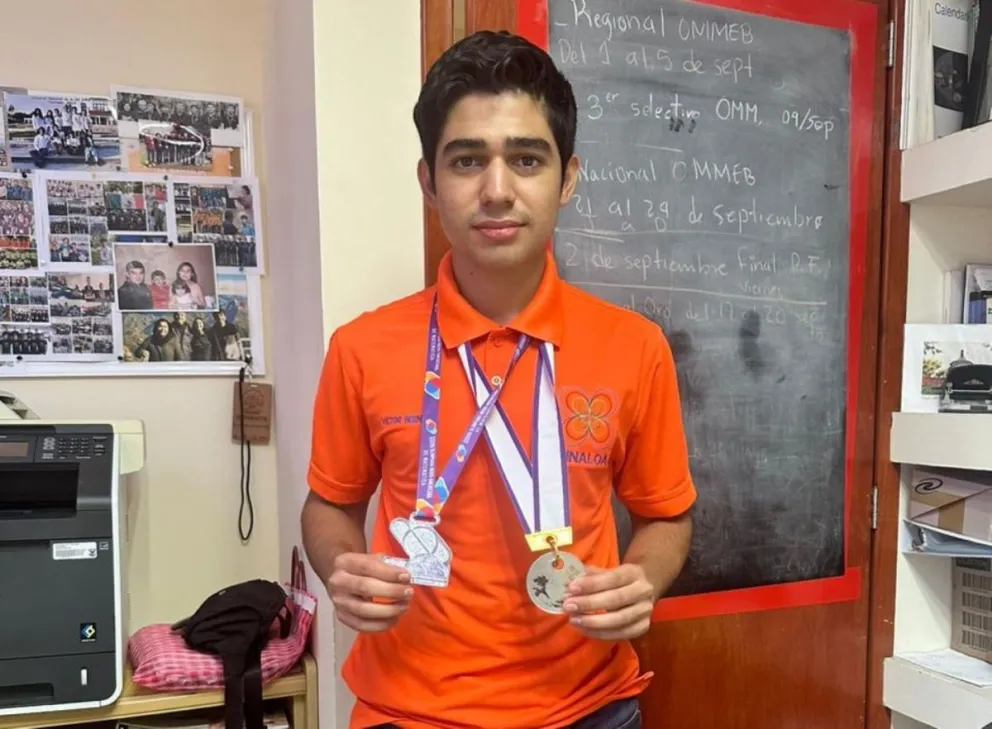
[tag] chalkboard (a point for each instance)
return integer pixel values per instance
(714, 199)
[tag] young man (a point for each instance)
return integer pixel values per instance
(492, 594)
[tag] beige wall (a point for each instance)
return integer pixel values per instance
(343, 77)
(185, 538)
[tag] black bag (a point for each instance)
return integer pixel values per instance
(234, 624)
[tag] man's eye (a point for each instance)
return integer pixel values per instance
(529, 161)
(464, 162)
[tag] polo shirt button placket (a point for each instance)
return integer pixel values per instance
(496, 380)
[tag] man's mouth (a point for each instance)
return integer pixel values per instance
(498, 229)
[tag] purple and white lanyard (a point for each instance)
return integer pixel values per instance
(538, 488)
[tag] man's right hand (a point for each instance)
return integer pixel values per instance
(357, 580)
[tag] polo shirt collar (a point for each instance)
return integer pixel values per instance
(542, 319)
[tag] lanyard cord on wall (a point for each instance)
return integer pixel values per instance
(245, 466)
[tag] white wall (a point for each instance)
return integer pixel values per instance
(342, 78)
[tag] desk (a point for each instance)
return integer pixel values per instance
(299, 686)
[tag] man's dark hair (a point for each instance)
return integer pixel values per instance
(490, 62)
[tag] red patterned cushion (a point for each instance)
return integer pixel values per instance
(163, 662)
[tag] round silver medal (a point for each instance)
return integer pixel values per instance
(548, 578)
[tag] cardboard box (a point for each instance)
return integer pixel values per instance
(971, 615)
(954, 500)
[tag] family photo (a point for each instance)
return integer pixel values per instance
(61, 132)
(82, 307)
(223, 335)
(162, 277)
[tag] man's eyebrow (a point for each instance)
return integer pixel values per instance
(463, 145)
(475, 145)
(535, 143)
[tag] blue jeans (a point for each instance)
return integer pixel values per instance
(622, 714)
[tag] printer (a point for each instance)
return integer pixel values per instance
(63, 632)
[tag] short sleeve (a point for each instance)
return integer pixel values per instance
(343, 466)
(654, 480)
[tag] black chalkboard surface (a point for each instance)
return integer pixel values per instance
(714, 199)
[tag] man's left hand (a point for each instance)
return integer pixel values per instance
(611, 604)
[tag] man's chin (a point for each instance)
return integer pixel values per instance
(505, 254)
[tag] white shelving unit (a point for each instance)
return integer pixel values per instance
(948, 184)
(953, 170)
(947, 440)
(926, 696)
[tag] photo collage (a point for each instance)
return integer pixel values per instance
(82, 313)
(222, 215)
(115, 258)
(24, 315)
(18, 249)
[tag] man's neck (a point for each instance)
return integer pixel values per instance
(498, 295)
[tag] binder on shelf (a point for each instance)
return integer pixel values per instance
(935, 541)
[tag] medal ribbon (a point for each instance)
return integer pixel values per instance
(433, 494)
(538, 489)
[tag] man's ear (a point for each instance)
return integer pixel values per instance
(569, 181)
(426, 183)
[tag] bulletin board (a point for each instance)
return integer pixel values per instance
(131, 236)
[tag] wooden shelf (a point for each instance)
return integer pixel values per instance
(949, 440)
(299, 685)
(935, 699)
(954, 170)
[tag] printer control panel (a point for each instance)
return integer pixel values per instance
(73, 447)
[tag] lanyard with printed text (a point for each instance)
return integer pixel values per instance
(538, 488)
(433, 494)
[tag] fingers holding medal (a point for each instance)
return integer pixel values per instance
(611, 604)
(369, 595)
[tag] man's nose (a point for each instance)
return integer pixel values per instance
(497, 187)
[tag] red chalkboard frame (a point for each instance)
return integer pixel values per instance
(860, 20)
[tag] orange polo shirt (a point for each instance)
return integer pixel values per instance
(478, 653)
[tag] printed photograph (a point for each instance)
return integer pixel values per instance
(162, 277)
(223, 114)
(25, 342)
(23, 300)
(82, 214)
(136, 206)
(17, 244)
(940, 357)
(223, 335)
(223, 215)
(82, 314)
(64, 132)
(4, 154)
(191, 133)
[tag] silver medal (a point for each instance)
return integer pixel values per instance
(548, 578)
(428, 556)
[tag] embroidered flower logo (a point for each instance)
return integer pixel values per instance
(588, 417)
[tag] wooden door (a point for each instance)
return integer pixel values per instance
(783, 656)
